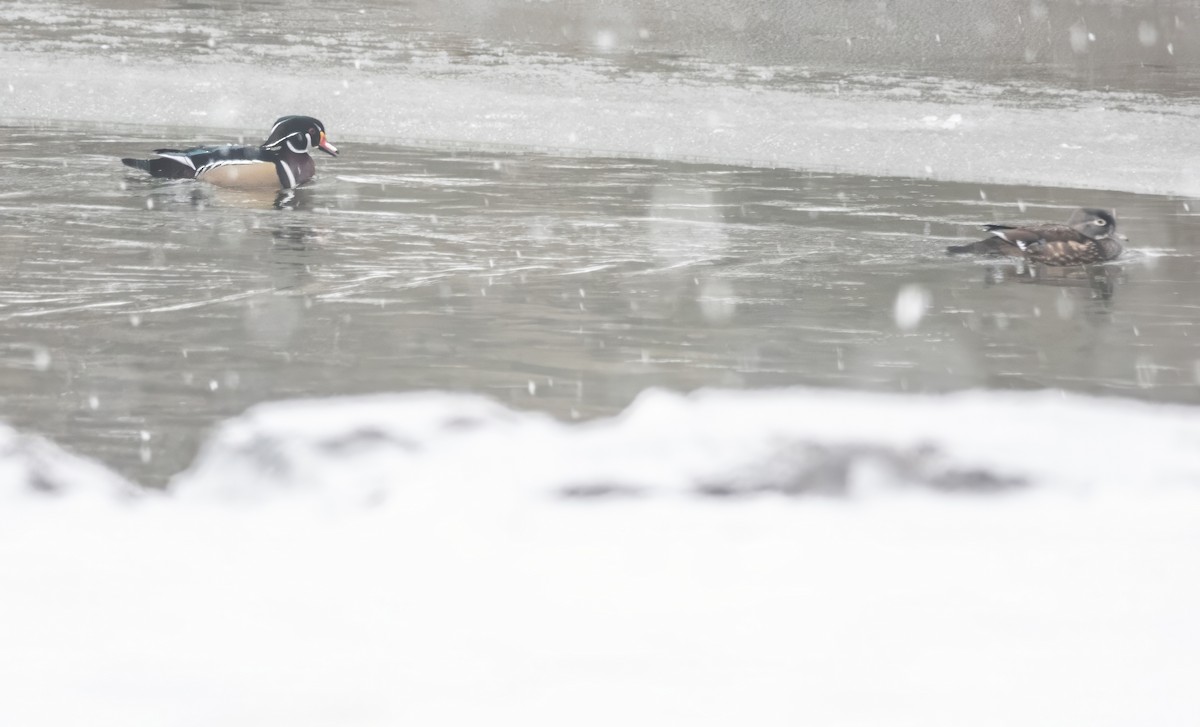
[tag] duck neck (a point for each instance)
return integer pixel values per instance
(302, 165)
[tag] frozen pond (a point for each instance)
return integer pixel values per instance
(137, 313)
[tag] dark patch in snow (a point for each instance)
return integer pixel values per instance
(595, 490)
(367, 437)
(818, 469)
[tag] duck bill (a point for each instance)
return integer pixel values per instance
(327, 147)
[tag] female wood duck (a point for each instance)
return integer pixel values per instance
(1090, 236)
(281, 161)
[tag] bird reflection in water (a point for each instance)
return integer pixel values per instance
(1102, 280)
(202, 197)
(301, 198)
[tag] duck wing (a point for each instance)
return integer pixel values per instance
(200, 156)
(1015, 241)
(187, 163)
(1033, 237)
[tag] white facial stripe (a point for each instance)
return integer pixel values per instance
(276, 126)
(307, 144)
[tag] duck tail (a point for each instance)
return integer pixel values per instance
(165, 167)
(143, 164)
(990, 246)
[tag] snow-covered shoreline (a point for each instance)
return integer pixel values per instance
(419, 558)
(788, 441)
(361, 451)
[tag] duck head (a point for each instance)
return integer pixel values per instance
(1094, 223)
(300, 134)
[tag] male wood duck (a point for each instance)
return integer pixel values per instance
(281, 161)
(1090, 236)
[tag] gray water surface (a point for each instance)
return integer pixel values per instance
(135, 313)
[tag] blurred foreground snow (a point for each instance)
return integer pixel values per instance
(788, 441)
(439, 559)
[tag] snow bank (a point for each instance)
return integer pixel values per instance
(437, 559)
(912, 128)
(31, 465)
(716, 443)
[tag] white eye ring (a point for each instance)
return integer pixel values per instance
(1101, 223)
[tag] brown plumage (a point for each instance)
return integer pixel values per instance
(1090, 236)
